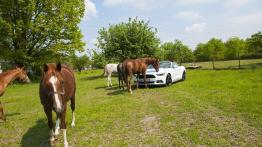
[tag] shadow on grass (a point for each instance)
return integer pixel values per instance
(91, 78)
(12, 114)
(117, 92)
(107, 88)
(36, 135)
(121, 91)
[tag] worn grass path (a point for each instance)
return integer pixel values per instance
(210, 108)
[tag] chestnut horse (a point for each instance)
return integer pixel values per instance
(137, 66)
(6, 78)
(57, 86)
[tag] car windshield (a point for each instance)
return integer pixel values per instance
(162, 64)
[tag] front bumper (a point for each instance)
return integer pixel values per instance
(152, 80)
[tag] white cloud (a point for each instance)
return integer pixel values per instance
(237, 3)
(113, 2)
(189, 15)
(90, 9)
(139, 4)
(193, 2)
(254, 18)
(196, 27)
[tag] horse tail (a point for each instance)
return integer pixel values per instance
(103, 74)
(118, 73)
(124, 74)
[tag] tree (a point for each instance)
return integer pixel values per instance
(216, 48)
(98, 60)
(80, 62)
(128, 40)
(254, 45)
(202, 53)
(35, 31)
(235, 49)
(177, 51)
(168, 51)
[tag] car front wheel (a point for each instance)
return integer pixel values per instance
(168, 80)
(184, 76)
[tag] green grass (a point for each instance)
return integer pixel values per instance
(222, 107)
(231, 64)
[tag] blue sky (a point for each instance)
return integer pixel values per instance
(191, 21)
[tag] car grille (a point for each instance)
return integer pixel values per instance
(147, 76)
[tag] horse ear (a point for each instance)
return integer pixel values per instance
(45, 67)
(58, 66)
(23, 68)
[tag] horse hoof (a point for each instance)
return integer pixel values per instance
(66, 144)
(56, 132)
(52, 141)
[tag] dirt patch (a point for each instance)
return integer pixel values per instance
(150, 124)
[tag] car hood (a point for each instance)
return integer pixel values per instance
(153, 71)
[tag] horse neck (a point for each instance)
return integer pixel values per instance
(149, 61)
(8, 77)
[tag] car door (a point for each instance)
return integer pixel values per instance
(175, 71)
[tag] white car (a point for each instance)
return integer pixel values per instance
(168, 73)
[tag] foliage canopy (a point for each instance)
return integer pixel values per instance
(36, 31)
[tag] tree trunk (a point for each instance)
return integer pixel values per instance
(238, 61)
(213, 63)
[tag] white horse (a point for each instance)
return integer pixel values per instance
(108, 70)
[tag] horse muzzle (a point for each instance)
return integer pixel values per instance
(27, 80)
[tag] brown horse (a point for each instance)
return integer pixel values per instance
(137, 66)
(6, 78)
(57, 86)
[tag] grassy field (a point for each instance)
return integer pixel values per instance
(231, 64)
(210, 108)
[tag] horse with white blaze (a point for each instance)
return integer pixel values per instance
(57, 86)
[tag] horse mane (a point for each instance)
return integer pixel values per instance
(6, 72)
(67, 67)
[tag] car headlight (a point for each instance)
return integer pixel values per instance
(160, 74)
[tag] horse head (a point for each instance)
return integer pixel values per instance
(156, 64)
(22, 75)
(54, 83)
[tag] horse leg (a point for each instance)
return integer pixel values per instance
(122, 83)
(108, 80)
(137, 81)
(73, 110)
(2, 115)
(125, 77)
(63, 126)
(57, 125)
(144, 76)
(48, 112)
(119, 80)
(129, 84)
